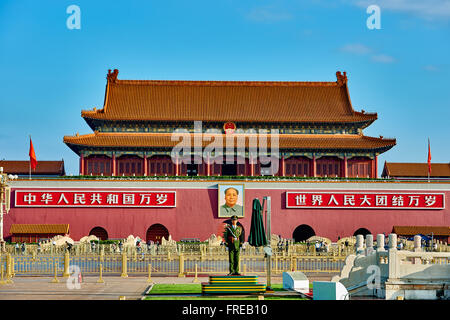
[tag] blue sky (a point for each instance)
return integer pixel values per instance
(49, 73)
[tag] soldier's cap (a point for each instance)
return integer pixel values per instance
(234, 218)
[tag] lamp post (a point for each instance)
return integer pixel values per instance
(268, 248)
(5, 204)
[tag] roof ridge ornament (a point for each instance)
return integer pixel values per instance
(112, 76)
(341, 78)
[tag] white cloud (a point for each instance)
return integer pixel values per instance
(360, 49)
(427, 9)
(268, 14)
(356, 48)
(382, 58)
(431, 68)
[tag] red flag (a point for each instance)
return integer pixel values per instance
(33, 160)
(429, 157)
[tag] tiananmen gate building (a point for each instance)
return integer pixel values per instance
(132, 182)
(319, 132)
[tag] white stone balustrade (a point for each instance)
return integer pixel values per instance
(410, 274)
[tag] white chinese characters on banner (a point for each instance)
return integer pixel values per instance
(97, 198)
(365, 200)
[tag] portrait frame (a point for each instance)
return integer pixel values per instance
(222, 212)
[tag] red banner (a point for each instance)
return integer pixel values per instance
(94, 198)
(361, 200)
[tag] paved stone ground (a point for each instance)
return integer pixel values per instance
(133, 288)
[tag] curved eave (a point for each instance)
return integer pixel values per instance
(363, 120)
(340, 143)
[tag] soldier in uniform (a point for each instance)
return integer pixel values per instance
(233, 236)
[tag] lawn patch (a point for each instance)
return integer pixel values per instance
(187, 288)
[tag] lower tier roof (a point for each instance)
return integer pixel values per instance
(141, 141)
(43, 167)
(407, 169)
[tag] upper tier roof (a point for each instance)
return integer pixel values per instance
(239, 101)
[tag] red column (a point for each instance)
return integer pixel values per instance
(114, 165)
(314, 166)
(208, 166)
(345, 167)
(375, 167)
(145, 165)
(252, 167)
(81, 164)
(283, 170)
(177, 168)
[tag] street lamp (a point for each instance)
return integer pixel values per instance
(5, 203)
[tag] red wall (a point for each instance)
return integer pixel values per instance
(196, 216)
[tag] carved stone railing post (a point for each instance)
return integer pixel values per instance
(380, 242)
(359, 244)
(417, 243)
(392, 241)
(369, 244)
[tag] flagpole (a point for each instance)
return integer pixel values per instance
(429, 162)
(29, 161)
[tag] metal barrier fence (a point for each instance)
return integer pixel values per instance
(180, 265)
(171, 264)
(258, 264)
(179, 248)
(40, 265)
(197, 248)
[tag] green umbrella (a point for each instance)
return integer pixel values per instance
(257, 237)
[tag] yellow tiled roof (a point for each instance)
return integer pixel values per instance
(295, 141)
(240, 101)
(39, 229)
(403, 169)
(425, 230)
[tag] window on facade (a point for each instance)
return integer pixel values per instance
(329, 167)
(98, 165)
(130, 166)
(362, 169)
(297, 166)
(359, 168)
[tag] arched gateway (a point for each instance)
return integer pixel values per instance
(99, 232)
(303, 232)
(156, 232)
(362, 231)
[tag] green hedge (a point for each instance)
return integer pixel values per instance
(105, 241)
(212, 178)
